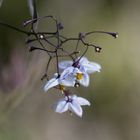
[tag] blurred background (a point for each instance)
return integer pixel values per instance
(25, 110)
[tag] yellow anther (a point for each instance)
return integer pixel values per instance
(79, 76)
(61, 87)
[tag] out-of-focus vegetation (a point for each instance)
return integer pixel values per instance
(115, 93)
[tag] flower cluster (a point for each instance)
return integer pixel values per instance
(74, 73)
(71, 103)
(71, 73)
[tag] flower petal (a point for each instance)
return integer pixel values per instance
(61, 106)
(65, 64)
(85, 80)
(91, 67)
(83, 60)
(76, 70)
(51, 83)
(74, 97)
(67, 77)
(75, 108)
(83, 101)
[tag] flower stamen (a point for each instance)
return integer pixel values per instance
(79, 76)
(61, 87)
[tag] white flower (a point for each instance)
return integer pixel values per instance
(79, 70)
(81, 63)
(89, 66)
(76, 75)
(59, 80)
(73, 73)
(72, 103)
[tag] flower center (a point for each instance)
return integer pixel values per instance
(79, 76)
(69, 100)
(61, 87)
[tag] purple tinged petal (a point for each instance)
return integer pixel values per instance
(83, 101)
(75, 107)
(85, 80)
(67, 77)
(91, 67)
(65, 64)
(51, 83)
(61, 106)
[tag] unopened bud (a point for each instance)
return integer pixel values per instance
(115, 35)
(60, 26)
(77, 85)
(27, 22)
(41, 36)
(98, 49)
(81, 35)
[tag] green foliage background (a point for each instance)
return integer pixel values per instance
(115, 93)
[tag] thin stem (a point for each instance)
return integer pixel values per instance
(84, 52)
(49, 42)
(25, 23)
(68, 54)
(47, 67)
(57, 61)
(42, 49)
(87, 44)
(44, 38)
(115, 35)
(68, 39)
(76, 48)
(14, 28)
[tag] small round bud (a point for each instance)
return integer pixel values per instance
(60, 26)
(81, 35)
(57, 46)
(115, 35)
(41, 36)
(56, 75)
(25, 23)
(98, 49)
(77, 85)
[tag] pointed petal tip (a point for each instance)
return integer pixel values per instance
(60, 106)
(89, 104)
(65, 64)
(83, 101)
(51, 83)
(80, 115)
(45, 89)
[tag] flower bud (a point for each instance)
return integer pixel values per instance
(60, 26)
(81, 35)
(77, 85)
(98, 49)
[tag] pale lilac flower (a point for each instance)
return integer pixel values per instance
(79, 70)
(73, 73)
(59, 80)
(78, 76)
(82, 64)
(71, 103)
